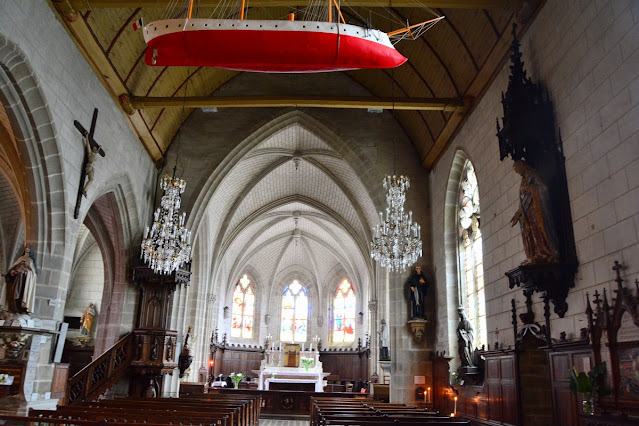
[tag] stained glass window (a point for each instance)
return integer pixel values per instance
(344, 313)
(471, 256)
(294, 313)
(243, 309)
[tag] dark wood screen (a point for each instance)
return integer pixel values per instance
(501, 387)
(342, 364)
(346, 365)
(236, 359)
(562, 357)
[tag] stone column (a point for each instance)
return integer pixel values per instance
(373, 366)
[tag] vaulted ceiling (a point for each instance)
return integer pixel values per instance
(447, 71)
(292, 204)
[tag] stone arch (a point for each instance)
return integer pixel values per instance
(41, 183)
(36, 163)
(334, 279)
(284, 278)
(260, 289)
(452, 291)
(104, 221)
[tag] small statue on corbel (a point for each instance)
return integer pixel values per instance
(185, 359)
(418, 326)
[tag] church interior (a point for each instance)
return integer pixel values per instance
(454, 238)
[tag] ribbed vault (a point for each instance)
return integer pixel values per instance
(291, 204)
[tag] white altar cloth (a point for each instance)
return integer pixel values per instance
(292, 375)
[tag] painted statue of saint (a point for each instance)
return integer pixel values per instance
(86, 322)
(18, 290)
(535, 217)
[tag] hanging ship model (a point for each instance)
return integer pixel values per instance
(284, 46)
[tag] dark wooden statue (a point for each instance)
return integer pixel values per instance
(528, 135)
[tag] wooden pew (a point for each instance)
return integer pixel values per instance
(96, 414)
(336, 411)
(245, 410)
(234, 410)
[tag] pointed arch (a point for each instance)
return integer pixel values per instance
(243, 308)
(344, 313)
(456, 255)
(294, 313)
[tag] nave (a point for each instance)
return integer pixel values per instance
(514, 121)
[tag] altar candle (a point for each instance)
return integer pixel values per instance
(302, 347)
(455, 408)
(425, 396)
(311, 347)
(429, 396)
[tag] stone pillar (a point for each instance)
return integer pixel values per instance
(372, 309)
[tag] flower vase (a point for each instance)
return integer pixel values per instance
(587, 405)
(306, 367)
(236, 384)
(13, 354)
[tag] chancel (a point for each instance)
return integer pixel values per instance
(326, 212)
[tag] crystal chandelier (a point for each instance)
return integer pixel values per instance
(396, 240)
(167, 246)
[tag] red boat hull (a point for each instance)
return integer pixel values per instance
(270, 51)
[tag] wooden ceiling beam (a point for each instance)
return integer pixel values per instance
(90, 48)
(414, 104)
(446, 4)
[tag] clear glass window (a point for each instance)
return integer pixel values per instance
(471, 255)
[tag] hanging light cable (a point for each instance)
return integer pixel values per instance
(167, 244)
(396, 242)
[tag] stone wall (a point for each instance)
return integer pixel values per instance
(46, 84)
(586, 53)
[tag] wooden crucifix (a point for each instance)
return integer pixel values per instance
(91, 149)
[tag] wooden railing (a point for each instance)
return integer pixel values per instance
(101, 373)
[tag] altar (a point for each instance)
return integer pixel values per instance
(303, 368)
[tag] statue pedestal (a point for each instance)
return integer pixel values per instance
(418, 326)
(552, 280)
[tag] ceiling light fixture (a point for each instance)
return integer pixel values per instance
(167, 245)
(397, 240)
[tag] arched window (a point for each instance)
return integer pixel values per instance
(243, 309)
(470, 254)
(294, 313)
(344, 313)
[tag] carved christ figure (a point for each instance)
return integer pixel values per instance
(92, 151)
(535, 217)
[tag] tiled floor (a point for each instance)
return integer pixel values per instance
(275, 422)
